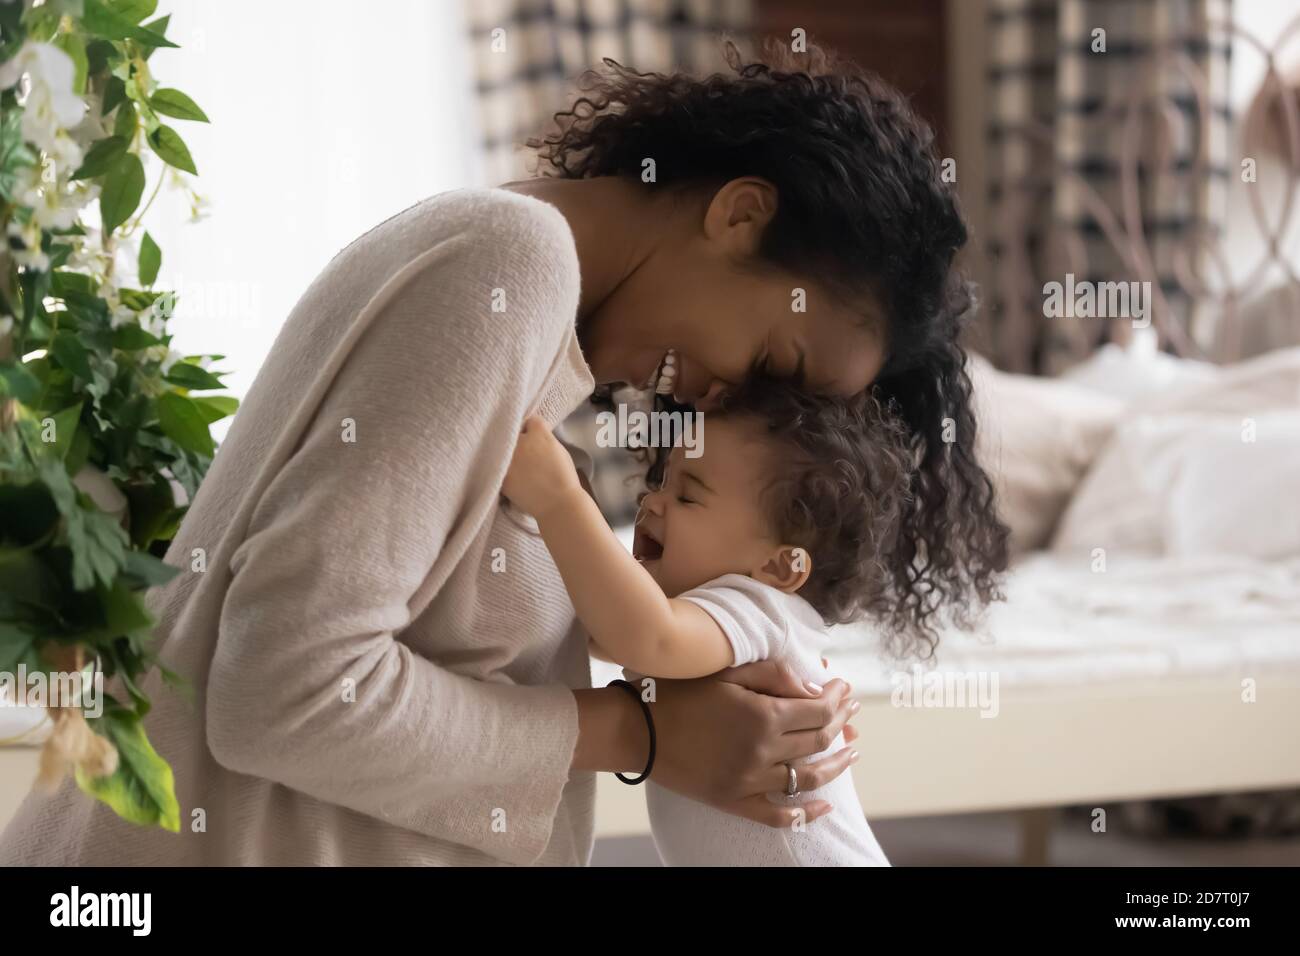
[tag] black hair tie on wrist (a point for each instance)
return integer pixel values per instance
(650, 724)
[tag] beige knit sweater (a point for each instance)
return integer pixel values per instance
(381, 652)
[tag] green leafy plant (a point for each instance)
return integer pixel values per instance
(103, 439)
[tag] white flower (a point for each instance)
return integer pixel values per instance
(200, 208)
(29, 235)
(54, 205)
(159, 312)
(65, 152)
(51, 106)
(165, 356)
(118, 314)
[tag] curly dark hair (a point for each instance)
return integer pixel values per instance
(862, 209)
(837, 483)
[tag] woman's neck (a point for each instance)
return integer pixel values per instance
(612, 230)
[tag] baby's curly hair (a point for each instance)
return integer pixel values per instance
(838, 484)
(862, 208)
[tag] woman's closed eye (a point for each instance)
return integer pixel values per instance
(687, 501)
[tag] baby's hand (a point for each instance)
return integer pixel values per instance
(541, 473)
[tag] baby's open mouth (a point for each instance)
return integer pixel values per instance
(645, 547)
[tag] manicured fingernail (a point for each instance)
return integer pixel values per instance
(853, 756)
(855, 707)
(815, 688)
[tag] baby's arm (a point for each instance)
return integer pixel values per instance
(624, 610)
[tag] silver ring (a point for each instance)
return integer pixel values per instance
(791, 781)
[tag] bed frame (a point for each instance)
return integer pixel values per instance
(1087, 744)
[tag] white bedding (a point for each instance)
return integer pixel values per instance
(1144, 617)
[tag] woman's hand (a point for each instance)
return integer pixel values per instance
(724, 740)
(542, 474)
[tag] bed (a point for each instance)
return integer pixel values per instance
(1110, 687)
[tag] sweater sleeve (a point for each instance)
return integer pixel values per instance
(404, 457)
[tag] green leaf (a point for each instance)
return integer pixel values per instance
(114, 93)
(132, 338)
(171, 149)
(80, 451)
(159, 27)
(99, 53)
(123, 187)
(142, 789)
(14, 152)
(124, 612)
(20, 383)
(75, 47)
(182, 422)
(126, 122)
(150, 571)
(192, 377)
(136, 300)
(26, 577)
(99, 544)
(62, 283)
(103, 22)
(216, 407)
(72, 355)
(171, 102)
(133, 10)
(65, 429)
(150, 260)
(17, 646)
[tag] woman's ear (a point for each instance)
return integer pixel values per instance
(786, 569)
(739, 213)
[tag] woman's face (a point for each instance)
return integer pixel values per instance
(701, 292)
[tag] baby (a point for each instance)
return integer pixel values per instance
(744, 553)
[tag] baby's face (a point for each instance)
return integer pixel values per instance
(707, 519)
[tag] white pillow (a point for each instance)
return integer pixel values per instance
(1112, 508)
(1192, 483)
(1138, 371)
(1235, 489)
(1269, 381)
(1036, 438)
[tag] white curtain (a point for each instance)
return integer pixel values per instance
(328, 116)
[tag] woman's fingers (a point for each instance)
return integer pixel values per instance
(806, 743)
(818, 773)
(762, 810)
(850, 733)
(792, 715)
(774, 678)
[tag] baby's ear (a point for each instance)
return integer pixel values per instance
(786, 569)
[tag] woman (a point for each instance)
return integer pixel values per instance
(384, 656)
